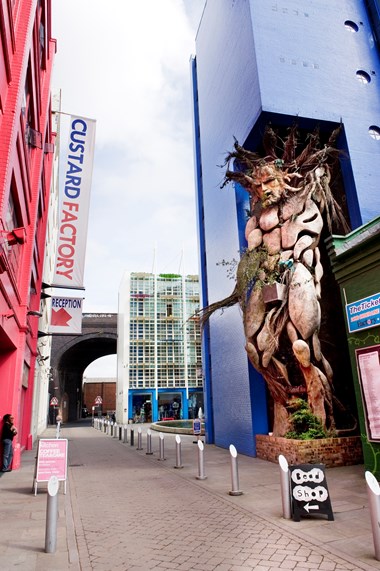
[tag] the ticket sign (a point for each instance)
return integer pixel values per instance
(309, 492)
(51, 460)
(364, 313)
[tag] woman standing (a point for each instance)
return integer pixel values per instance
(8, 434)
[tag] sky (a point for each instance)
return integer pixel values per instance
(125, 63)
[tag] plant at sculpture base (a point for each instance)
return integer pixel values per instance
(304, 424)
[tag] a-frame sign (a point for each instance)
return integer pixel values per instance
(309, 492)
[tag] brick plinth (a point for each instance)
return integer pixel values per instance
(331, 452)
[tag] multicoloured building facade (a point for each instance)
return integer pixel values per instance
(159, 348)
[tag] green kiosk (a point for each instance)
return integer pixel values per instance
(355, 260)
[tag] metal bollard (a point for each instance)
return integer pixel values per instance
(115, 430)
(162, 447)
(125, 434)
(58, 429)
(373, 490)
(201, 466)
(139, 439)
(120, 432)
(178, 455)
(51, 515)
(132, 438)
(234, 473)
(285, 487)
(149, 442)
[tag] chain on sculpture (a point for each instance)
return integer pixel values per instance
(278, 279)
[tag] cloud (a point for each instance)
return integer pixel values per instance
(126, 64)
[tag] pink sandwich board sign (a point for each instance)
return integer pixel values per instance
(51, 461)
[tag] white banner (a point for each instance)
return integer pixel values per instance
(74, 204)
(66, 315)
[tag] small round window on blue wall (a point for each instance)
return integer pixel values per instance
(351, 26)
(374, 132)
(363, 76)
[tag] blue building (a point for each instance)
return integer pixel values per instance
(278, 62)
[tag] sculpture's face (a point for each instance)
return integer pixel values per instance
(268, 184)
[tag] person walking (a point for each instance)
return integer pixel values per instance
(8, 434)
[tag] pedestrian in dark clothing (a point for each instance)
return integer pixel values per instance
(7, 436)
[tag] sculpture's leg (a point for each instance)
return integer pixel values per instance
(315, 381)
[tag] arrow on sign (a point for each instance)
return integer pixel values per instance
(60, 317)
(308, 507)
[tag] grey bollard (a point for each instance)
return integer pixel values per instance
(51, 515)
(149, 442)
(162, 447)
(178, 454)
(132, 437)
(139, 439)
(285, 487)
(115, 430)
(234, 473)
(373, 490)
(201, 465)
(125, 434)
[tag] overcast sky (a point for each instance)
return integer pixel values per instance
(125, 63)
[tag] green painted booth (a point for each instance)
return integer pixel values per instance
(355, 261)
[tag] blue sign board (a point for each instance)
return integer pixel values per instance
(364, 313)
(197, 426)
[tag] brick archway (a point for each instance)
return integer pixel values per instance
(71, 355)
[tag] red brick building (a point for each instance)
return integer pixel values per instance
(103, 388)
(26, 157)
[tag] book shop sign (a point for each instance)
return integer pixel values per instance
(309, 492)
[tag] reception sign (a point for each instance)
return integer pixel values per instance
(66, 315)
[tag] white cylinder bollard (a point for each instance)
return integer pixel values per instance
(201, 466)
(52, 515)
(149, 442)
(373, 490)
(161, 447)
(139, 439)
(234, 473)
(285, 487)
(178, 454)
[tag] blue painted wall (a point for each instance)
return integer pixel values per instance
(258, 61)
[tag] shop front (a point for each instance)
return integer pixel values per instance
(141, 409)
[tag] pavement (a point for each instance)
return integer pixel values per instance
(126, 510)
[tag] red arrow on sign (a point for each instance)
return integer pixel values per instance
(60, 317)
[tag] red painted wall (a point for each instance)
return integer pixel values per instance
(26, 158)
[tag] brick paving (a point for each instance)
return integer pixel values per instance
(125, 511)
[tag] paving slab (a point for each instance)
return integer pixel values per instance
(125, 510)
